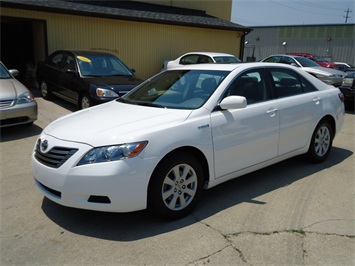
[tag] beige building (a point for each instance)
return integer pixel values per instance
(143, 34)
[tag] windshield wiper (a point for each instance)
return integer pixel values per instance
(123, 100)
(150, 104)
(123, 75)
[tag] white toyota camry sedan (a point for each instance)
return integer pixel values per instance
(183, 131)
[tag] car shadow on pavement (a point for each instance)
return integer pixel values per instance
(19, 132)
(139, 225)
(62, 103)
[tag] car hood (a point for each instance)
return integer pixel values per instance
(11, 88)
(324, 71)
(117, 82)
(113, 123)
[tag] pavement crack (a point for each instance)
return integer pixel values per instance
(226, 237)
(328, 220)
(208, 256)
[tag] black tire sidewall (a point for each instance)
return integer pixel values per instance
(156, 204)
(48, 96)
(80, 104)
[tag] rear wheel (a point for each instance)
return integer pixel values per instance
(176, 186)
(321, 142)
(45, 90)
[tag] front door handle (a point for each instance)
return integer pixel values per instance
(271, 112)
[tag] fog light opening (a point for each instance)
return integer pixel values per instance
(99, 199)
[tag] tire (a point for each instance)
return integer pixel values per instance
(176, 186)
(85, 101)
(321, 142)
(45, 90)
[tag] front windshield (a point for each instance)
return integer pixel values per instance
(227, 59)
(177, 89)
(4, 74)
(102, 65)
(320, 59)
(306, 62)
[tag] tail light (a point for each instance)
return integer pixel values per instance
(341, 97)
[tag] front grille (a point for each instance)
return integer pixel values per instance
(55, 157)
(6, 103)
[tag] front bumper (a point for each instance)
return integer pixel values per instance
(118, 186)
(335, 81)
(18, 114)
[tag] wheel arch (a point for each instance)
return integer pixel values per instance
(198, 154)
(330, 119)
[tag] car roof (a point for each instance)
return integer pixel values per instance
(230, 67)
(300, 54)
(289, 55)
(209, 53)
(85, 52)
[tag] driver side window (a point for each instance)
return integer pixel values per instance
(251, 85)
(70, 63)
(189, 59)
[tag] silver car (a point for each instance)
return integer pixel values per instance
(328, 75)
(17, 105)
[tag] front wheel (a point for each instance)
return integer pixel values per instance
(85, 101)
(321, 142)
(176, 186)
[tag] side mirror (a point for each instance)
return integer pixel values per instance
(14, 72)
(72, 72)
(233, 102)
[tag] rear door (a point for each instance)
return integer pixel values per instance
(300, 106)
(70, 80)
(52, 70)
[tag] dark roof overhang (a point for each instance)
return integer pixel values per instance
(128, 10)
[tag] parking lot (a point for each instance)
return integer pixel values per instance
(292, 213)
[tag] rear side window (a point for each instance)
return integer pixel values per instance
(288, 83)
(307, 86)
(204, 59)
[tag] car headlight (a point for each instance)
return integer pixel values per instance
(105, 93)
(26, 97)
(113, 153)
(321, 75)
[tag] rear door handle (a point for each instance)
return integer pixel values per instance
(316, 100)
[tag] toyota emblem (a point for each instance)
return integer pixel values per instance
(44, 145)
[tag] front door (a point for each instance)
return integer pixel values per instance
(245, 137)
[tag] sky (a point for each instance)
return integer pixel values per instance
(292, 12)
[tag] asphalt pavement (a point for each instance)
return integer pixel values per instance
(291, 213)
